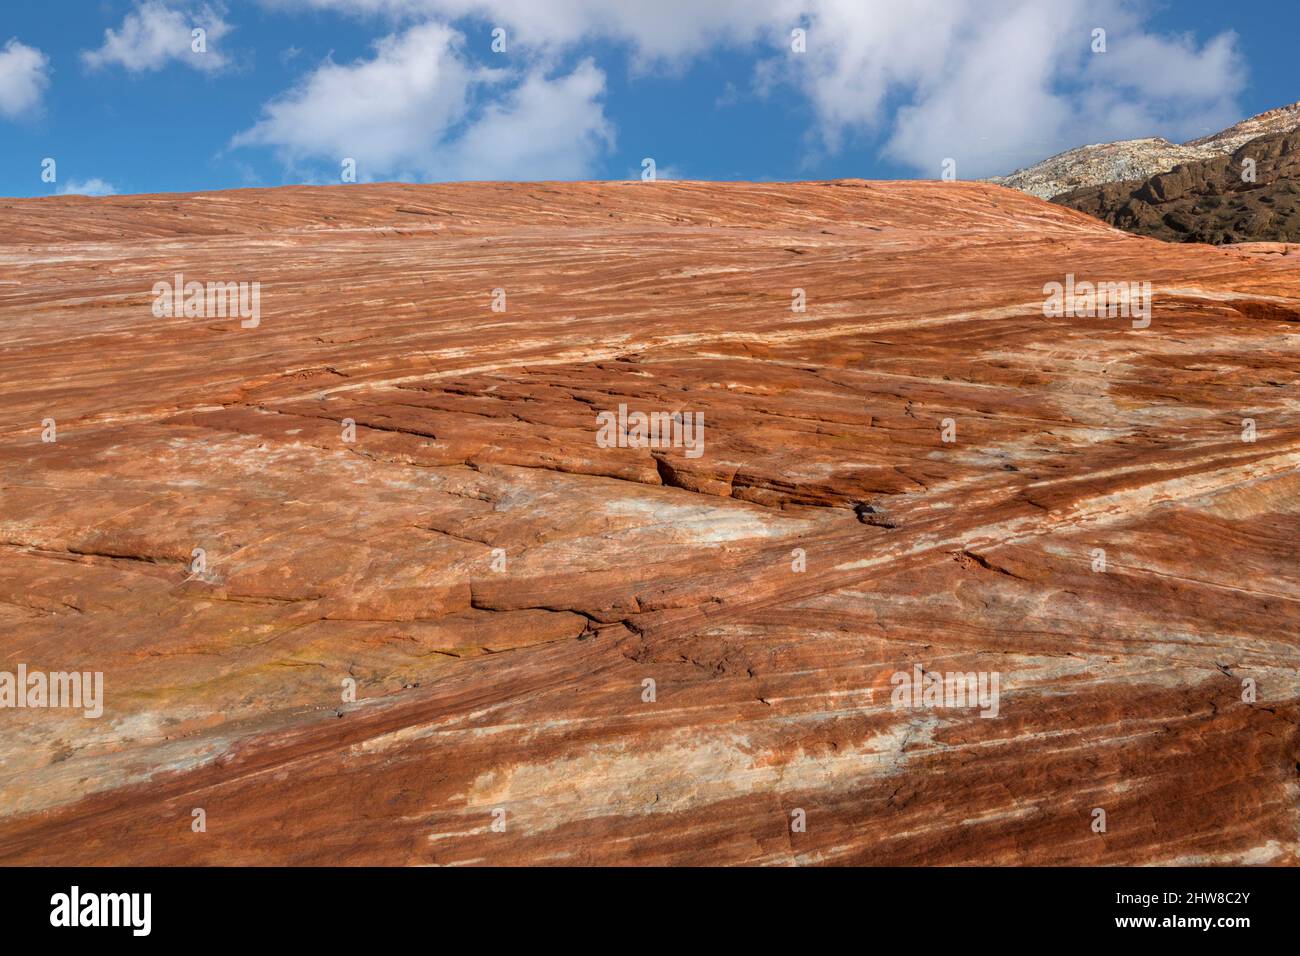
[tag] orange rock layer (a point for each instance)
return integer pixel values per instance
(501, 588)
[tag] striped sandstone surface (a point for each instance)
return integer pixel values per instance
(482, 690)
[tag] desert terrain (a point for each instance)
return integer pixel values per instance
(566, 653)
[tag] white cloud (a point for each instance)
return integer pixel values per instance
(155, 34)
(661, 30)
(992, 83)
(545, 129)
(992, 102)
(24, 75)
(410, 111)
(87, 187)
(389, 109)
(1144, 82)
(1018, 81)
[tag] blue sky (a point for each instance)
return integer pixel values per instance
(585, 89)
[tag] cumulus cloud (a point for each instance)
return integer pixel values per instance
(87, 187)
(995, 101)
(1018, 81)
(544, 129)
(1170, 83)
(155, 34)
(662, 30)
(392, 108)
(418, 108)
(24, 75)
(992, 83)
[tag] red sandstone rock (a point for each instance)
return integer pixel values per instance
(522, 690)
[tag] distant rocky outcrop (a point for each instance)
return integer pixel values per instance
(1280, 120)
(1101, 163)
(1139, 159)
(1251, 195)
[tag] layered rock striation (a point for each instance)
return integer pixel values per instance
(365, 585)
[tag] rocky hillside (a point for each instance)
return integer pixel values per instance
(366, 587)
(1280, 120)
(1139, 158)
(1100, 163)
(1209, 200)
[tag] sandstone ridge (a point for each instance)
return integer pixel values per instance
(500, 587)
